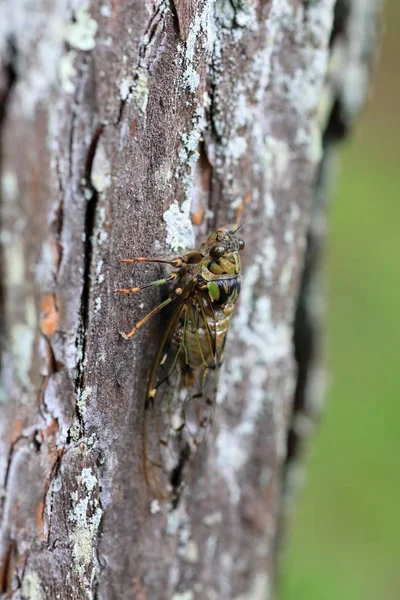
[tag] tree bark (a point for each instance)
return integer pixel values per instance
(134, 128)
(352, 50)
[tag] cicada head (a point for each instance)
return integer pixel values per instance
(221, 258)
(220, 243)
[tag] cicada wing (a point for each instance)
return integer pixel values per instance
(181, 404)
(160, 420)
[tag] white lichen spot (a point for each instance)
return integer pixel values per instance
(79, 512)
(187, 595)
(102, 234)
(31, 312)
(212, 519)
(75, 430)
(85, 516)
(140, 92)
(276, 337)
(81, 33)
(173, 522)
(191, 79)
(97, 304)
(269, 204)
(179, 227)
(231, 458)
(99, 266)
(154, 507)
(177, 421)
(22, 338)
(125, 87)
(236, 148)
(14, 261)
(260, 590)
(88, 479)
(100, 174)
(31, 586)
(9, 186)
(88, 194)
(315, 149)
(277, 160)
(83, 396)
(188, 153)
(83, 549)
(67, 71)
(105, 11)
(191, 552)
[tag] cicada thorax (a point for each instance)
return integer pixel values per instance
(221, 278)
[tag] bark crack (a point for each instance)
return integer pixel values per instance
(8, 79)
(179, 29)
(89, 226)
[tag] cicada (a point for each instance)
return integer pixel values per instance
(181, 391)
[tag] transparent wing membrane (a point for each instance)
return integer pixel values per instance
(181, 399)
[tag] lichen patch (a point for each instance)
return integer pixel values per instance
(81, 33)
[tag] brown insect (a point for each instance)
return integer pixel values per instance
(183, 381)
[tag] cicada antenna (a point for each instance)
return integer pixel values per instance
(240, 226)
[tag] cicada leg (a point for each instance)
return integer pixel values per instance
(190, 258)
(156, 283)
(177, 292)
(177, 261)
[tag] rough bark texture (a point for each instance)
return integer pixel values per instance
(352, 49)
(120, 120)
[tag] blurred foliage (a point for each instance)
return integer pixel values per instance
(345, 534)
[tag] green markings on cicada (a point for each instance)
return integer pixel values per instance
(181, 392)
(213, 289)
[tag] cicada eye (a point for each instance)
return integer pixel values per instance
(217, 251)
(241, 245)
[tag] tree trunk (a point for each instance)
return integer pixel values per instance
(134, 128)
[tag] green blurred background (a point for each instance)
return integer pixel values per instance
(345, 536)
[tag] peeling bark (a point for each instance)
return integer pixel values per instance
(131, 128)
